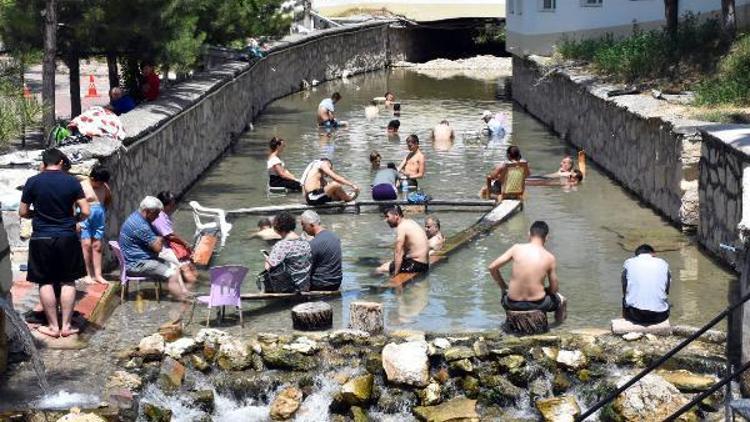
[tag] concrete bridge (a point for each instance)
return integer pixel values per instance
(417, 10)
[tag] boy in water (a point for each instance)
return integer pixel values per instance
(97, 193)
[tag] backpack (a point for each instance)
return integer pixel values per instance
(57, 135)
(418, 197)
(276, 280)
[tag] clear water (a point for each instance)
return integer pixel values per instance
(593, 227)
(29, 347)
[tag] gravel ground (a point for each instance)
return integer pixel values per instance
(479, 67)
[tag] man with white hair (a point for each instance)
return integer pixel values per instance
(494, 126)
(141, 245)
(326, 254)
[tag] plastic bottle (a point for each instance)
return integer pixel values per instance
(404, 185)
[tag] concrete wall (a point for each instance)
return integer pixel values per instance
(533, 30)
(654, 158)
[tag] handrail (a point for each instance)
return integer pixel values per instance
(590, 411)
(697, 399)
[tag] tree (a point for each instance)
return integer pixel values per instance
(48, 65)
(672, 14)
(728, 20)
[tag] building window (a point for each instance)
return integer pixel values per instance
(591, 3)
(547, 5)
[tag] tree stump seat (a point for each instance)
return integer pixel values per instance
(525, 322)
(312, 316)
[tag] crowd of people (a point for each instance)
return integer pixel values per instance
(69, 217)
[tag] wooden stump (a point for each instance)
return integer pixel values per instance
(312, 316)
(525, 322)
(366, 316)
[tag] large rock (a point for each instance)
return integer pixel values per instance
(235, 354)
(501, 392)
(280, 358)
(339, 337)
(172, 374)
(286, 404)
(204, 400)
(558, 409)
(458, 352)
(572, 359)
(688, 382)
(76, 415)
(650, 399)
(358, 390)
(179, 347)
(430, 395)
(211, 335)
(506, 363)
(152, 345)
(155, 413)
(303, 345)
(406, 363)
(457, 409)
(123, 379)
(463, 366)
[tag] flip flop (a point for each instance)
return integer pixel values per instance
(48, 332)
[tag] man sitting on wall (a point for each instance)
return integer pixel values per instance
(645, 287)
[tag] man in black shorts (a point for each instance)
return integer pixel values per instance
(411, 252)
(317, 187)
(55, 254)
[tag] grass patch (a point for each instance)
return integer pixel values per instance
(722, 114)
(731, 85)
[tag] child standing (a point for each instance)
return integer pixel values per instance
(99, 196)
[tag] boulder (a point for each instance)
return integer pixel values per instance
(286, 404)
(441, 343)
(234, 354)
(172, 374)
(571, 359)
(280, 358)
(75, 415)
(502, 391)
(151, 346)
(374, 363)
(633, 336)
(204, 400)
(199, 363)
(408, 335)
(462, 366)
(339, 337)
(430, 395)
(561, 382)
(481, 350)
(622, 326)
(688, 382)
(122, 379)
(650, 399)
(558, 409)
(507, 363)
(458, 352)
(406, 363)
(179, 347)
(470, 385)
(358, 390)
(539, 389)
(211, 335)
(303, 345)
(154, 413)
(457, 409)
(358, 414)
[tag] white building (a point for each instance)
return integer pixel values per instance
(536, 26)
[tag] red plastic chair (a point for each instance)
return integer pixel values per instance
(226, 282)
(125, 278)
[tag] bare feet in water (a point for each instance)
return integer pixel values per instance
(49, 331)
(69, 331)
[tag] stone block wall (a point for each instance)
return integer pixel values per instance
(654, 158)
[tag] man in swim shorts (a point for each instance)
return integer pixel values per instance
(318, 190)
(532, 264)
(411, 253)
(326, 118)
(413, 165)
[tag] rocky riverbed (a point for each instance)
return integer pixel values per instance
(480, 67)
(349, 375)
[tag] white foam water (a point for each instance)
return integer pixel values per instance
(181, 410)
(65, 400)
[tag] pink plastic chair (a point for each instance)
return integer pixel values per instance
(125, 278)
(226, 282)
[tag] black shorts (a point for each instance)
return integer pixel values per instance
(279, 182)
(317, 197)
(409, 265)
(55, 260)
(644, 317)
(549, 303)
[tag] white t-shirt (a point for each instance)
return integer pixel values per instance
(271, 163)
(496, 127)
(647, 283)
(327, 104)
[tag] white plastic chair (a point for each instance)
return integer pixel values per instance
(218, 221)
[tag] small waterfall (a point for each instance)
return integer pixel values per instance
(28, 343)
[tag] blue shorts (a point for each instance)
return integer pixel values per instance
(93, 227)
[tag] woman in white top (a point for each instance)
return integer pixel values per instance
(278, 175)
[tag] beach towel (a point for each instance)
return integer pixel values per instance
(98, 121)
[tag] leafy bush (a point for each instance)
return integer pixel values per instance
(16, 111)
(731, 85)
(584, 49)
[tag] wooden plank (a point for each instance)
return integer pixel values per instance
(502, 212)
(355, 204)
(292, 296)
(205, 249)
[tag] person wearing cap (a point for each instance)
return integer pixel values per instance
(55, 256)
(494, 126)
(140, 246)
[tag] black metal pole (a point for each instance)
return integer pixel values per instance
(590, 411)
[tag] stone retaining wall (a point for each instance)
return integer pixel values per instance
(654, 158)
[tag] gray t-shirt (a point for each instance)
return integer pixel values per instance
(326, 261)
(385, 175)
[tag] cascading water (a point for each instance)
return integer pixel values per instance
(24, 334)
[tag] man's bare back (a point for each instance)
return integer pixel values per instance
(96, 194)
(416, 245)
(532, 264)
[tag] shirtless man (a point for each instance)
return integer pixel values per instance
(391, 131)
(98, 195)
(326, 118)
(566, 168)
(532, 263)
(494, 180)
(318, 190)
(411, 253)
(372, 110)
(390, 99)
(442, 136)
(413, 165)
(435, 237)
